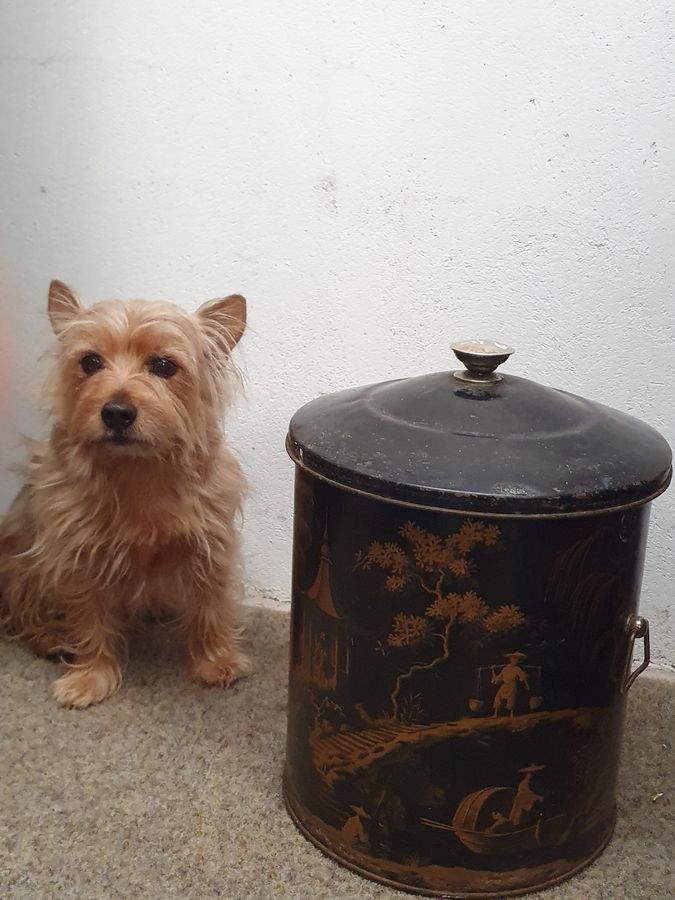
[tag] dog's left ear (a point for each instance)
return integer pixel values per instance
(62, 306)
(225, 320)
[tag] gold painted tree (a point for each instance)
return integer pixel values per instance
(432, 563)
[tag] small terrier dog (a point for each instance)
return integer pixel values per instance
(130, 508)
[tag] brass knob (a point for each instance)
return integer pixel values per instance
(481, 358)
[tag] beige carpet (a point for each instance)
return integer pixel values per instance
(169, 791)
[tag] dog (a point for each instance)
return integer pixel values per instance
(131, 507)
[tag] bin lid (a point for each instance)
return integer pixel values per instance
(477, 440)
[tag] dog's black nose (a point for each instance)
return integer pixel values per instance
(118, 416)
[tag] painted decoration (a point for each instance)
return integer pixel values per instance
(456, 701)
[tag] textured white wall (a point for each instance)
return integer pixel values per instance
(377, 177)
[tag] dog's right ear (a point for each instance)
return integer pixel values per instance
(63, 305)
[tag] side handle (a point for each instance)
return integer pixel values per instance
(639, 630)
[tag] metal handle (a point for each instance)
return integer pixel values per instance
(639, 630)
(481, 358)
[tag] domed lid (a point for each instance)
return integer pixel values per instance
(475, 440)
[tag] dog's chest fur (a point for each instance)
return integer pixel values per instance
(135, 526)
(154, 523)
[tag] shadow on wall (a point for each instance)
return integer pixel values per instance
(45, 100)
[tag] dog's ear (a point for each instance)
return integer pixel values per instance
(225, 320)
(62, 306)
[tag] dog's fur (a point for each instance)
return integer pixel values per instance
(108, 528)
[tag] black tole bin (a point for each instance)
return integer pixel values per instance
(468, 553)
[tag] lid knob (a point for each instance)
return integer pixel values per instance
(481, 358)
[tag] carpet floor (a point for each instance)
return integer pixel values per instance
(170, 791)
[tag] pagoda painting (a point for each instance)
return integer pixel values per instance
(322, 649)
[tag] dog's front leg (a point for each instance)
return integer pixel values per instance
(94, 673)
(214, 641)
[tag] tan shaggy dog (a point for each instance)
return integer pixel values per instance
(130, 508)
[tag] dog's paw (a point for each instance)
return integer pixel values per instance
(82, 687)
(222, 672)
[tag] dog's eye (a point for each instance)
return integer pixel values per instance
(91, 363)
(162, 367)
